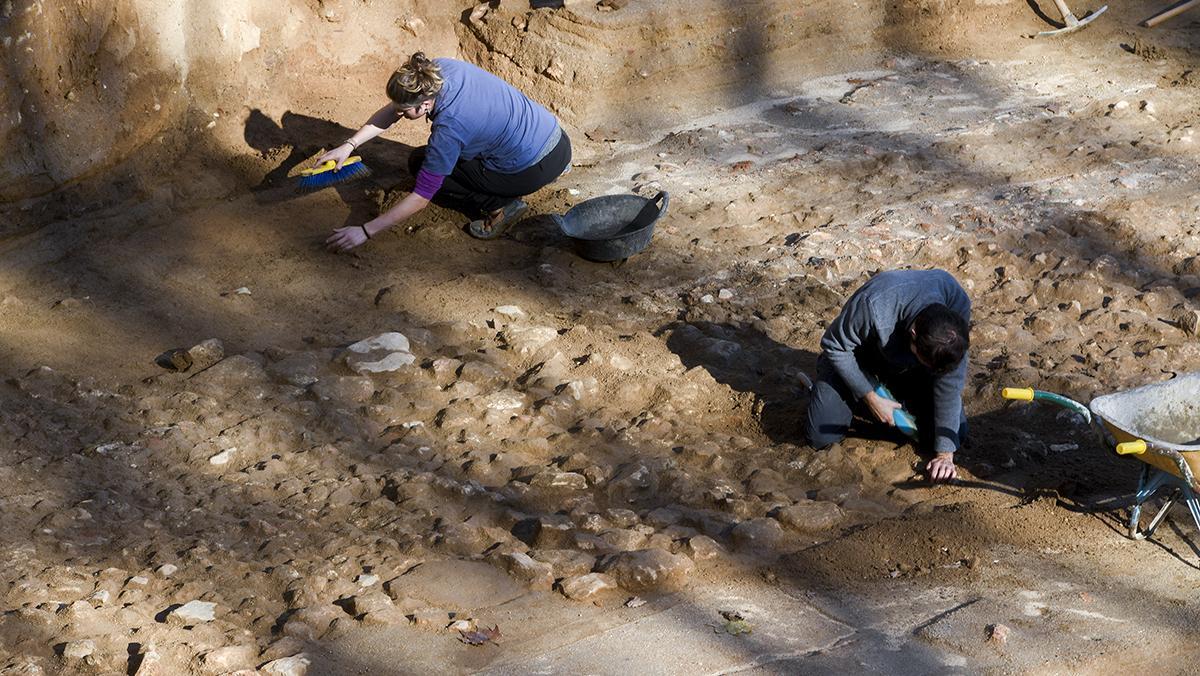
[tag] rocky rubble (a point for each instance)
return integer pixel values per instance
(319, 478)
(221, 517)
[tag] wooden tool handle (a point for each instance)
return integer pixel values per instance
(1065, 11)
(1168, 13)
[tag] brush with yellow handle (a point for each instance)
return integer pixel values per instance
(327, 174)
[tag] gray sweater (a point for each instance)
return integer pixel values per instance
(877, 317)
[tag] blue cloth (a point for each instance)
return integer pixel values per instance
(477, 115)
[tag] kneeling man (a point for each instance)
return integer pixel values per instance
(908, 330)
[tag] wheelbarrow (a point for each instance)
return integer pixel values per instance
(1158, 424)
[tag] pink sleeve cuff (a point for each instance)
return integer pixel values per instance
(428, 184)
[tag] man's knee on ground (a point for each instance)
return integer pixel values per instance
(824, 435)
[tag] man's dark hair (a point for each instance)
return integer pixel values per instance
(941, 337)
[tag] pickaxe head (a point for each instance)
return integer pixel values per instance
(1072, 24)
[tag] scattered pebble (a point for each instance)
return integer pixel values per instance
(223, 457)
(296, 665)
(193, 612)
(510, 311)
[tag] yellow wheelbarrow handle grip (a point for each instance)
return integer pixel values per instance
(1017, 393)
(1137, 447)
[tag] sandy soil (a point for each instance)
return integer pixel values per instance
(558, 436)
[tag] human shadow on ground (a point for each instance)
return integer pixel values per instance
(303, 138)
(748, 360)
(1032, 453)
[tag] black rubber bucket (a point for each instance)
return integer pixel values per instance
(613, 227)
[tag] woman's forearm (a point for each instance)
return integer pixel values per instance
(411, 204)
(376, 125)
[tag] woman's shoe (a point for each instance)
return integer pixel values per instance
(498, 221)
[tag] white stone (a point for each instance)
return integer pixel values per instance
(242, 291)
(531, 339)
(620, 363)
(510, 311)
(392, 362)
(296, 665)
(78, 650)
(725, 294)
(193, 612)
(579, 389)
(391, 342)
(568, 480)
(139, 580)
(151, 663)
(230, 658)
(506, 400)
(167, 569)
(581, 587)
(414, 25)
(706, 298)
(367, 579)
(223, 457)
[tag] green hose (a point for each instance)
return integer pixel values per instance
(1030, 394)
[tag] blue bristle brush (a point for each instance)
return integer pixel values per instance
(325, 175)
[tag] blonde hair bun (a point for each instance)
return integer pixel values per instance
(418, 80)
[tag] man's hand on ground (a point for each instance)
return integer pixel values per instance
(942, 468)
(881, 408)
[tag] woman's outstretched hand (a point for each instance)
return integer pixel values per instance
(338, 154)
(345, 239)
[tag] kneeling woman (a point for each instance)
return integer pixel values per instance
(489, 146)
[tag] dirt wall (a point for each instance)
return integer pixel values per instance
(655, 64)
(93, 84)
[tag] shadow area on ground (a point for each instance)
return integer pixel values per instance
(1027, 452)
(303, 138)
(750, 361)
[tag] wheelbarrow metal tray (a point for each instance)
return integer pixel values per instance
(1165, 415)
